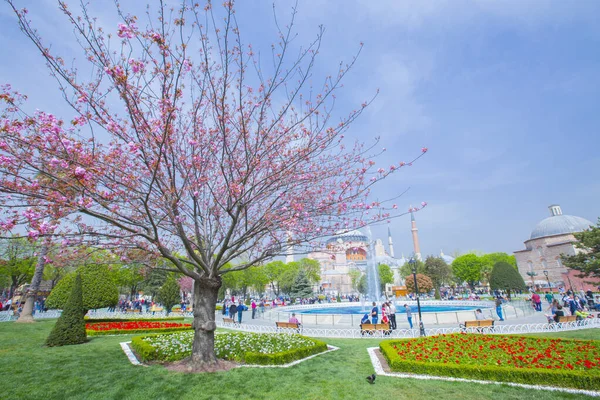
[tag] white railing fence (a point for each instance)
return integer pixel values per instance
(411, 333)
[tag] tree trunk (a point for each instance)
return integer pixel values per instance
(27, 312)
(205, 301)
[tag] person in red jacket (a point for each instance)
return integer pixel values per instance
(537, 301)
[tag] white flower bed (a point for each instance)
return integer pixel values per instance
(229, 346)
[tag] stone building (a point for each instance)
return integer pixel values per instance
(550, 238)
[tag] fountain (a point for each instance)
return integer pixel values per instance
(373, 286)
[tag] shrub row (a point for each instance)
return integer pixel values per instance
(144, 350)
(147, 352)
(134, 331)
(285, 357)
(561, 378)
(94, 320)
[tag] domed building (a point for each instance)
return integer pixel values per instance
(550, 238)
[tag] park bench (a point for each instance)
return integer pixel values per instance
(287, 325)
(372, 328)
(481, 325)
(228, 320)
(567, 318)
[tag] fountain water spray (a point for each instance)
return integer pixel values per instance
(373, 286)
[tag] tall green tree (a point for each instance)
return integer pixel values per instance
(273, 272)
(301, 287)
(505, 277)
(467, 268)
(439, 272)
(169, 294)
(17, 263)
(587, 262)
(406, 269)
(355, 276)
(130, 277)
(385, 275)
(489, 260)
(363, 285)
(155, 278)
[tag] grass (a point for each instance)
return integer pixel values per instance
(100, 370)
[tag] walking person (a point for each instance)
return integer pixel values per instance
(241, 307)
(392, 309)
(537, 301)
(233, 309)
(374, 313)
(408, 315)
(253, 305)
(499, 307)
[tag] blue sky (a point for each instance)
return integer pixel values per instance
(504, 94)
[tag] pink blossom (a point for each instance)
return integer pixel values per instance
(424, 149)
(126, 31)
(79, 173)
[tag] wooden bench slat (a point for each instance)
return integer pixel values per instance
(567, 318)
(479, 323)
(287, 324)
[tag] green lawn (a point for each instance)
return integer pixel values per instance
(100, 370)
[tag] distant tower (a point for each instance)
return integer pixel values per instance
(390, 243)
(289, 249)
(415, 235)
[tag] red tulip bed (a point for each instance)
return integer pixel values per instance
(503, 358)
(127, 327)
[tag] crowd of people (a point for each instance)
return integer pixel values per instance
(388, 315)
(570, 303)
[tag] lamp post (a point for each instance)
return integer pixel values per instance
(413, 264)
(546, 273)
(532, 274)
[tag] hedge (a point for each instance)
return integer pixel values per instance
(94, 320)
(147, 352)
(562, 378)
(144, 350)
(285, 357)
(98, 286)
(134, 331)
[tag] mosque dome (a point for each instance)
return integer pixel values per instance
(559, 224)
(447, 259)
(348, 236)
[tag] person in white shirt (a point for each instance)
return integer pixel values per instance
(392, 311)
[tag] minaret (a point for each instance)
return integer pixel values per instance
(390, 243)
(415, 235)
(289, 249)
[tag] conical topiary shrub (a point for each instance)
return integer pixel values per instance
(70, 327)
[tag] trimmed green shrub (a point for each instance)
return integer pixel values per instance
(99, 288)
(285, 357)
(70, 327)
(230, 346)
(144, 350)
(547, 377)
